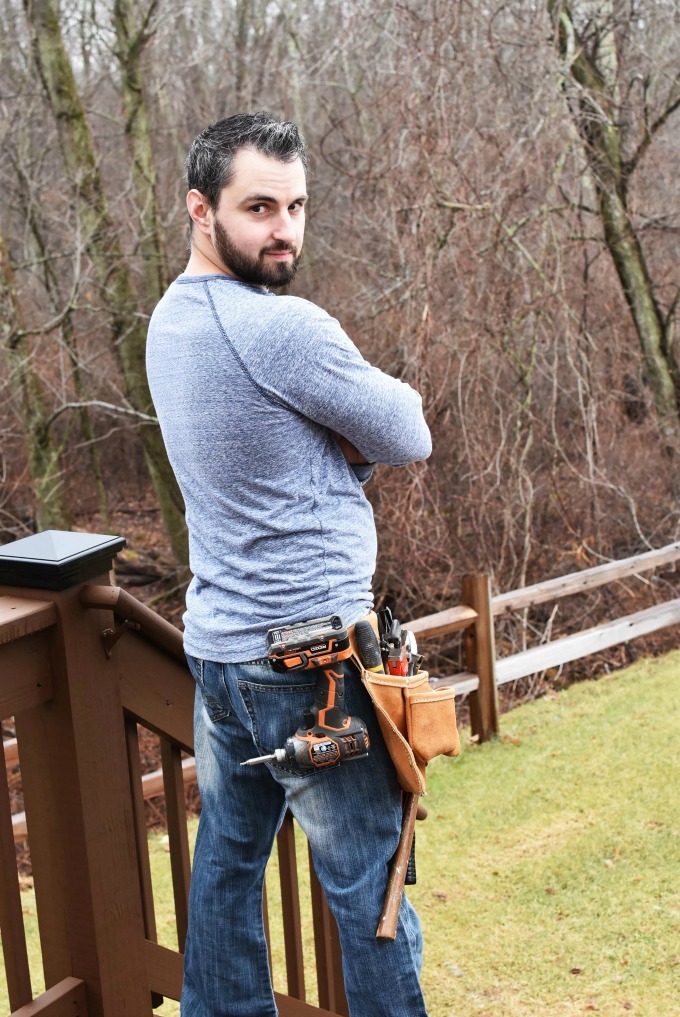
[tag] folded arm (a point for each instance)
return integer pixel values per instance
(375, 418)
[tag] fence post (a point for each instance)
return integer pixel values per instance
(480, 657)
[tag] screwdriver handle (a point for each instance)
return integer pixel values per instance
(368, 647)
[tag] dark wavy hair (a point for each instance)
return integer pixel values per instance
(209, 164)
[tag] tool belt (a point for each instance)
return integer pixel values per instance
(417, 721)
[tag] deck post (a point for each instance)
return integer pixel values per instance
(82, 841)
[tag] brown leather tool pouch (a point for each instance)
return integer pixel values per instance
(417, 722)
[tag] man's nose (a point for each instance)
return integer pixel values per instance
(284, 228)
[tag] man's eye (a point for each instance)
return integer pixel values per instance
(258, 208)
(297, 206)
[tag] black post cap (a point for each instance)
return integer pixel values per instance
(57, 559)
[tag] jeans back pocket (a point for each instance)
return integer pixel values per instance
(275, 703)
(209, 678)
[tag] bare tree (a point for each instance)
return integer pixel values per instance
(133, 32)
(42, 454)
(619, 109)
(101, 243)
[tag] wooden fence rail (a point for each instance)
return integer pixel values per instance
(484, 673)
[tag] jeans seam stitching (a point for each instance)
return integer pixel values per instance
(277, 688)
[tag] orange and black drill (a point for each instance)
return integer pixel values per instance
(327, 734)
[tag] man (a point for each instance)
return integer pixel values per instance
(271, 418)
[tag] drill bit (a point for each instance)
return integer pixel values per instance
(260, 759)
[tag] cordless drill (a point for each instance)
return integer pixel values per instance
(327, 734)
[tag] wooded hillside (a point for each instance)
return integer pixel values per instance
(494, 217)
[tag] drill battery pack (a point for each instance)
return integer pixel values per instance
(316, 643)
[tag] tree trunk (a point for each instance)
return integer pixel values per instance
(51, 284)
(101, 244)
(596, 111)
(42, 455)
(131, 39)
(631, 267)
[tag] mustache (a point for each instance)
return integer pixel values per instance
(280, 245)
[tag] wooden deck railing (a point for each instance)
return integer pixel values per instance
(82, 664)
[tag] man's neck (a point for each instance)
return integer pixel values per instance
(201, 263)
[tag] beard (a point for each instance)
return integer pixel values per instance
(255, 270)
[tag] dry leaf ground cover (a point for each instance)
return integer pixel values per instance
(548, 868)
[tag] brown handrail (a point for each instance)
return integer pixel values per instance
(20, 617)
(127, 609)
(73, 694)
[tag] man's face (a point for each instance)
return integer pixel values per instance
(259, 223)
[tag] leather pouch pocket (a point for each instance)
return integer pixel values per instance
(417, 723)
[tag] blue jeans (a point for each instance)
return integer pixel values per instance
(351, 815)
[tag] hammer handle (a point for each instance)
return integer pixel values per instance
(387, 927)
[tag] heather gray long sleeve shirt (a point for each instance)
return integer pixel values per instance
(248, 387)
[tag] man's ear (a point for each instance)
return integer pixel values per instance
(199, 211)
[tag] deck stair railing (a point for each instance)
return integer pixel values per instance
(82, 663)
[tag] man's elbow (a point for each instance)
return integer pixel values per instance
(417, 435)
(401, 435)
(426, 447)
(414, 447)
(422, 448)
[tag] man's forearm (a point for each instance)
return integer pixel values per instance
(384, 424)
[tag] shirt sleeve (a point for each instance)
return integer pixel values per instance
(309, 363)
(362, 471)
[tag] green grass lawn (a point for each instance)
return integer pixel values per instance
(549, 865)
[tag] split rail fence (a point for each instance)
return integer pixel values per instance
(82, 663)
(485, 673)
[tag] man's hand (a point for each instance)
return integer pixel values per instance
(350, 451)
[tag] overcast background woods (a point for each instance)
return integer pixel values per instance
(455, 228)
